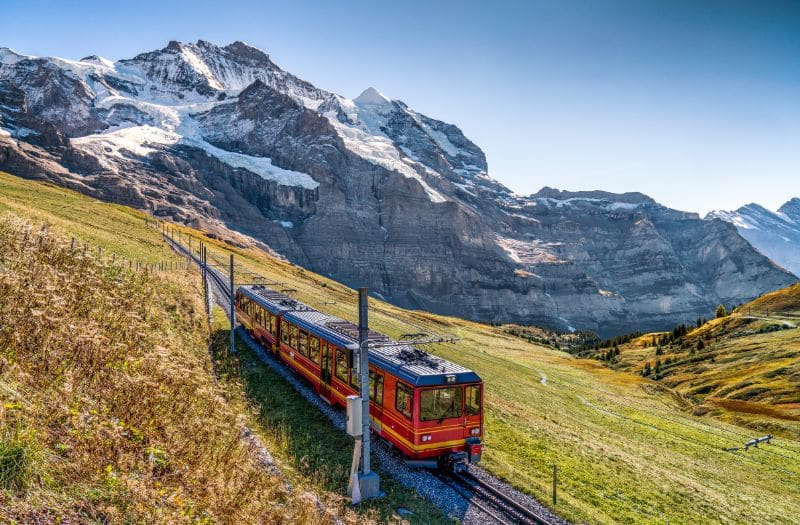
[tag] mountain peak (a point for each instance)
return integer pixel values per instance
(791, 209)
(9, 56)
(371, 97)
(245, 50)
(98, 60)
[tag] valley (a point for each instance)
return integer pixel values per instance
(742, 367)
(367, 191)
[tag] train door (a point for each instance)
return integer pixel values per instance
(325, 367)
(473, 398)
(376, 396)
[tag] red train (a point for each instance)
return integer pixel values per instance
(427, 407)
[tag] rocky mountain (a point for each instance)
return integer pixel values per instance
(366, 190)
(776, 234)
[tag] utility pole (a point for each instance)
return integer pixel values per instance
(369, 482)
(202, 254)
(233, 312)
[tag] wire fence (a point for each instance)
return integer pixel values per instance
(34, 236)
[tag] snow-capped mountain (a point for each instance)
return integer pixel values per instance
(776, 234)
(366, 190)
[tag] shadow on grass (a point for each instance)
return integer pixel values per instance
(306, 439)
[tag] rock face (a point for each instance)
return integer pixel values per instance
(365, 190)
(775, 234)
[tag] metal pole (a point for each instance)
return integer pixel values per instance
(233, 311)
(363, 369)
(369, 482)
(202, 256)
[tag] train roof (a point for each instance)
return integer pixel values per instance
(401, 359)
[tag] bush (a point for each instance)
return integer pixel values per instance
(721, 311)
(15, 463)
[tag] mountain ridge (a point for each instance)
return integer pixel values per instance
(775, 233)
(368, 191)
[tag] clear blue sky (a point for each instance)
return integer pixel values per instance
(694, 103)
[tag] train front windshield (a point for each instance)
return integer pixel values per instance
(441, 403)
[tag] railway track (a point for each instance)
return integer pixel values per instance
(490, 500)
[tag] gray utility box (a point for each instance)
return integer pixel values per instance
(354, 416)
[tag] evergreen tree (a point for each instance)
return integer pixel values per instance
(721, 311)
(700, 345)
(646, 369)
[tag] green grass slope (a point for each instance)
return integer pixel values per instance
(628, 449)
(743, 367)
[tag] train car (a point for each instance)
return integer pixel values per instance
(428, 408)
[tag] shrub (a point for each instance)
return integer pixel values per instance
(721, 311)
(15, 464)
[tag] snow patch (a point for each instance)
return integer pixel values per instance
(529, 252)
(261, 166)
(569, 327)
(381, 151)
(440, 139)
(201, 67)
(622, 206)
(285, 224)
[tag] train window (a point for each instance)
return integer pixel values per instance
(404, 399)
(355, 376)
(440, 403)
(376, 388)
(372, 385)
(313, 348)
(341, 364)
(302, 343)
(473, 402)
(273, 324)
(285, 332)
(293, 331)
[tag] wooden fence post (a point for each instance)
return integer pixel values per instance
(555, 483)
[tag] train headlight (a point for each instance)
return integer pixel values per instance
(426, 437)
(475, 431)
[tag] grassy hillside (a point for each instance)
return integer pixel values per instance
(110, 411)
(117, 229)
(627, 449)
(743, 367)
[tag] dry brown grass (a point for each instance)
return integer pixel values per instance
(108, 408)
